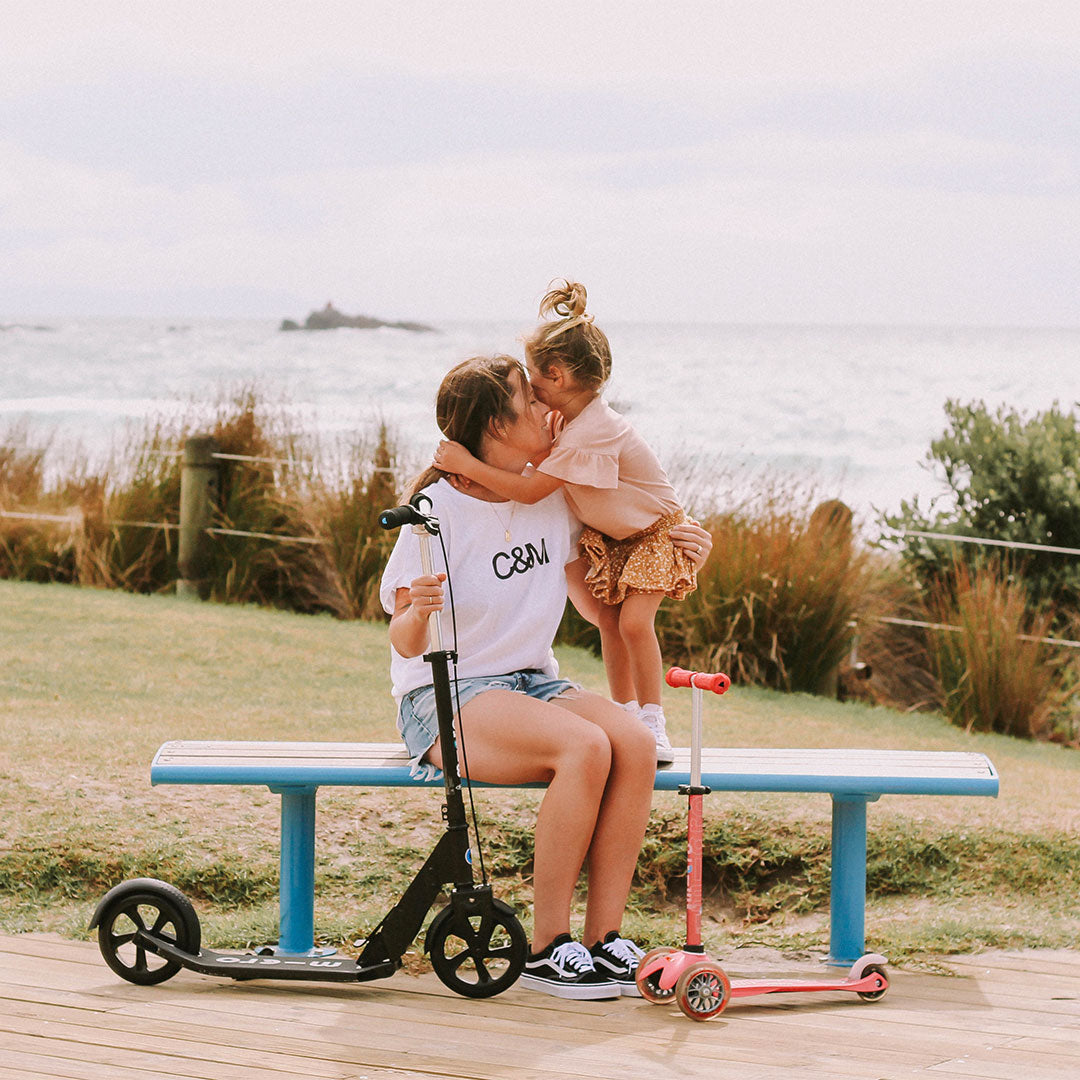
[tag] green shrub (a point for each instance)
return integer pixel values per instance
(1009, 478)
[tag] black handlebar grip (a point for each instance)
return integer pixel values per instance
(400, 515)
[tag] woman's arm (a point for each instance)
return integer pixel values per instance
(452, 457)
(412, 606)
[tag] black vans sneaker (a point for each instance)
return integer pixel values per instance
(565, 969)
(617, 958)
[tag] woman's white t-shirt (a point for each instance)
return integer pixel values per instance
(509, 596)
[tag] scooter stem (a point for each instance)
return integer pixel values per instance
(426, 564)
(695, 734)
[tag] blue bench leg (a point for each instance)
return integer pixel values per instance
(297, 887)
(847, 931)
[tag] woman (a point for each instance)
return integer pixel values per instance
(520, 722)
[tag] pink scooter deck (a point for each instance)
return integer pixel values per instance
(871, 983)
(701, 988)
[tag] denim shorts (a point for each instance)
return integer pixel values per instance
(419, 725)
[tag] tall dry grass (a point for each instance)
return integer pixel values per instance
(775, 601)
(897, 656)
(295, 490)
(995, 674)
(51, 550)
(348, 500)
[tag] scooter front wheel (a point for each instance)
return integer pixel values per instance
(648, 981)
(480, 953)
(136, 910)
(703, 990)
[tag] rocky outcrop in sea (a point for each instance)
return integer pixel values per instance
(329, 318)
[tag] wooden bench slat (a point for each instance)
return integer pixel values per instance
(852, 771)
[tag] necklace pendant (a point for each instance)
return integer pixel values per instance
(507, 535)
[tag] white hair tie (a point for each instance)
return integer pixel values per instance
(584, 319)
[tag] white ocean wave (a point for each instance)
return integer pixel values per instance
(852, 408)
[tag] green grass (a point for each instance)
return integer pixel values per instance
(92, 682)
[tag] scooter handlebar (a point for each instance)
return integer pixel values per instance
(414, 512)
(717, 682)
(400, 515)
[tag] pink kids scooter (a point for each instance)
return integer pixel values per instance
(688, 976)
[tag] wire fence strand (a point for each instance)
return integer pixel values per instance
(256, 460)
(956, 539)
(70, 518)
(269, 536)
(897, 621)
(76, 517)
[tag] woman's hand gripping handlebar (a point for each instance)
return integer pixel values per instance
(717, 682)
(425, 592)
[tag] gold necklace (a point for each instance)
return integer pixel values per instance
(505, 524)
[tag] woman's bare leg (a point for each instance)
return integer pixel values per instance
(515, 739)
(624, 810)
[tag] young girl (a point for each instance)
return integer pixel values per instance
(615, 485)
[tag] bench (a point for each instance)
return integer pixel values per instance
(853, 778)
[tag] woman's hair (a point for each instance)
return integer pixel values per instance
(474, 396)
(570, 340)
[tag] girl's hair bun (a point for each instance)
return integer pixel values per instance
(564, 298)
(569, 338)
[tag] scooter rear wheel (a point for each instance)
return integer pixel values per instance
(875, 995)
(703, 990)
(479, 954)
(139, 909)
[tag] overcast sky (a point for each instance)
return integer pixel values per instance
(800, 162)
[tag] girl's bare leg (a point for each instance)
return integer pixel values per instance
(515, 739)
(637, 618)
(618, 663)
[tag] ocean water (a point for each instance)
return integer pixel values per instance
(846, 411)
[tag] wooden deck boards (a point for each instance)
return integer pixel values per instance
(63, 1014)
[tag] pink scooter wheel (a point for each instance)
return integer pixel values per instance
(703, 990)
(648, 980)
(883, 989)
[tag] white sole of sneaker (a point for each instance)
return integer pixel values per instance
(573, 991)
(664, 757)
(627, 987)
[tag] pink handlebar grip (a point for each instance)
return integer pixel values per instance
(717, 682)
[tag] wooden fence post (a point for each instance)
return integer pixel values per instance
(198, 488)
(831, 526)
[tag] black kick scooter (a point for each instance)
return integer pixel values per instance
(148, 930)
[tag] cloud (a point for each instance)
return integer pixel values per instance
(718, 43)
(767, 162)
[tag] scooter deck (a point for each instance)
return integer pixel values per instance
(869, 983)
(254, 966)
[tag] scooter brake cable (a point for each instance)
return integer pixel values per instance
(457, 706)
